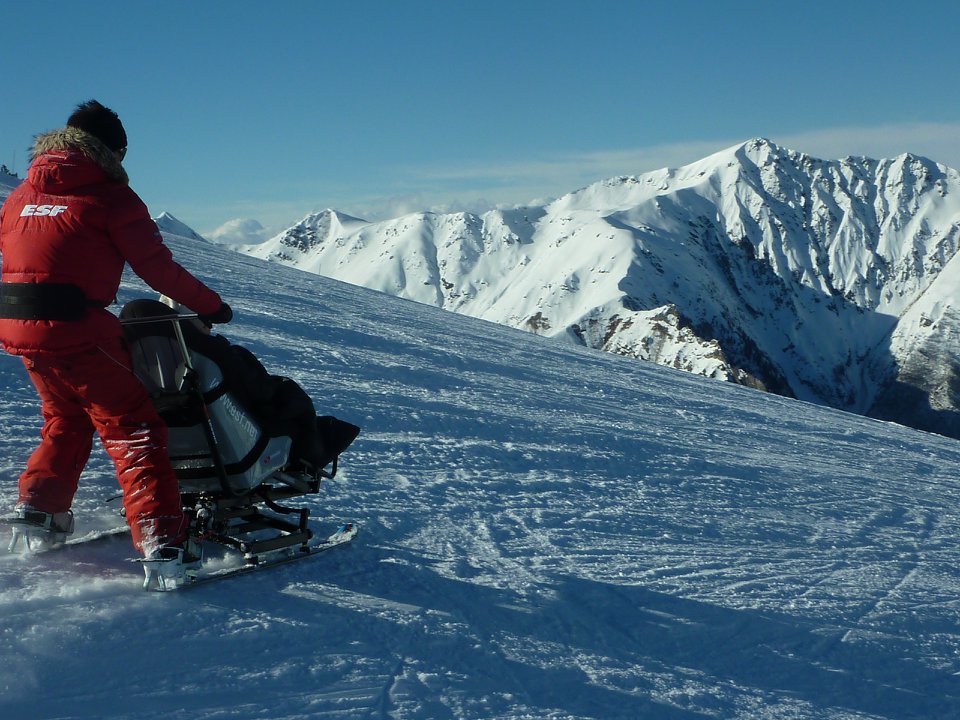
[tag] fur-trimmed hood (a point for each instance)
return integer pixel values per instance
(74, 139)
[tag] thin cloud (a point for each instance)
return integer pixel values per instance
(518, 182)
(938, 141)
(482, 186)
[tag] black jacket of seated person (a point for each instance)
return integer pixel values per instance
(277, 403)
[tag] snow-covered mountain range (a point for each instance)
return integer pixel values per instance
(829, 281)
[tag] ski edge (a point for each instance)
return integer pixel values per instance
(343, 535)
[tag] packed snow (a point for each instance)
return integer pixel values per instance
(546, 532)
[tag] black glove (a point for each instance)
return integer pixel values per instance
(223, 315)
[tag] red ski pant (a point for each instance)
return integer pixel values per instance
(96, 390)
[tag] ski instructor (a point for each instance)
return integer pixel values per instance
(65, 234)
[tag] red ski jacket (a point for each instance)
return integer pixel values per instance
(75, 221)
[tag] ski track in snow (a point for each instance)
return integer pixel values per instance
(545, 533)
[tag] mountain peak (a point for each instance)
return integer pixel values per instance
(331, 214)
(761, 150)
(171, 225)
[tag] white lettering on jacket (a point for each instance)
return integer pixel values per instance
(51, 210)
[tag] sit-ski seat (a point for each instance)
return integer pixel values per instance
(248, 454)
(225, 463)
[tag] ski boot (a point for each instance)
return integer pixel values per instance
(39, 530)
(172, 566)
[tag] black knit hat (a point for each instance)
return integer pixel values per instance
(101, 122)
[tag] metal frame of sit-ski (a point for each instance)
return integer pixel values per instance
(234, 519)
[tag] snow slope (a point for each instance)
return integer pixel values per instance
(547, 532)
(7, 183)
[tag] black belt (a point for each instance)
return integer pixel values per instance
(43, 301)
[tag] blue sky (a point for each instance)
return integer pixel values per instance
(271, 110)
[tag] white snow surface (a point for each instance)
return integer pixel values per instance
(546, 532)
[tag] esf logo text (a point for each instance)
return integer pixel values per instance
(51, 210)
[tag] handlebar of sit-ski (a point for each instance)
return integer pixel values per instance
(175, 319)
(159, 318)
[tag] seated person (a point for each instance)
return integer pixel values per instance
(278, 403)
